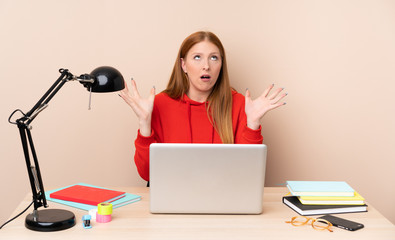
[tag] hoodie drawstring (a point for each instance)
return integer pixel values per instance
(189, 122)
(212, 134)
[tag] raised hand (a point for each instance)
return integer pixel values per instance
(142, 107)
(256, 109)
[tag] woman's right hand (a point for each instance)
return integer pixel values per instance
(141, 107)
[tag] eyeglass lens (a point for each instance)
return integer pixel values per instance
(318, 224)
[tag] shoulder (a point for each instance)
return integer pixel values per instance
(237, 98)
(163, 95)
(238, 102)
(162, 100)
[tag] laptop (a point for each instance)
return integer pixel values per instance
(207, 178)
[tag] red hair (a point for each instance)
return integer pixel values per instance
(219, 108)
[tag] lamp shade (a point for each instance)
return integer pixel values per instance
(107, 79)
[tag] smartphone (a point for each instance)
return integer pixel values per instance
(342, 223)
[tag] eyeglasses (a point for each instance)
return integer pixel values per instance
(317, 224)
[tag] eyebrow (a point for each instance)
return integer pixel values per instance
(194, 53)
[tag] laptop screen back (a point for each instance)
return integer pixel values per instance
(207, 178)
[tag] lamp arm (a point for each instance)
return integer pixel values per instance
(34, 172)
(65, 75)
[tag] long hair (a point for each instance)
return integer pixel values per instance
(219, 108)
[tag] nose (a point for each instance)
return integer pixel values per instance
(206, 65)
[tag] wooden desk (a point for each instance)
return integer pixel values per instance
(134, 221)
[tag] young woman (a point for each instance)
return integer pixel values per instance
(198, 105)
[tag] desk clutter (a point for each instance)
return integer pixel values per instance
(102, 214)
(98, 201)
(87, 197)
(323, 197)
(104, 211)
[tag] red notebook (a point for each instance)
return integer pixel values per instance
(86, 195)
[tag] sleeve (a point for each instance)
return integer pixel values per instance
(142, 143)
(141, 155)
(249, 136)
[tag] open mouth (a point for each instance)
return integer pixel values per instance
(205, 77)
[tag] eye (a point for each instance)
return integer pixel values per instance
(214, 58)
(196, 57)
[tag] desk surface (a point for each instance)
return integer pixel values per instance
(135, 221)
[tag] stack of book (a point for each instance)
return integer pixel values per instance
(323, 197)
(86, 196)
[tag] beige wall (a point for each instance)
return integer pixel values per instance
(335, 59)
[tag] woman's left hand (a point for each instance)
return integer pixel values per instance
(256, 109)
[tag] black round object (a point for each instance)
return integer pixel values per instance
(49, 220)
(107, 79)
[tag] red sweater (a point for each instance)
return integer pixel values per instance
(186, 121)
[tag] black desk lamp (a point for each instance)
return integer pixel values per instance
(102, 79)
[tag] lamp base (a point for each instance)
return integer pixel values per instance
(49, 220)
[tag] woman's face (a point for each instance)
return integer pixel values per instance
(202, 64)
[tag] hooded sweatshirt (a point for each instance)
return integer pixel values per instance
(186, 121)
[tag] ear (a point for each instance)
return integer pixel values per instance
(184, 68)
